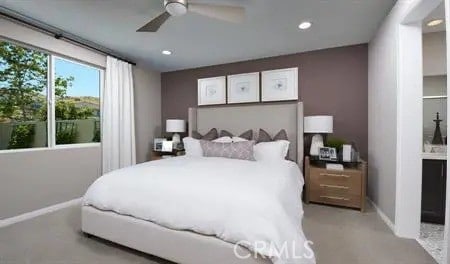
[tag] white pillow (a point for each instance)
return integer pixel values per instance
(192, 147)
(271, 151)
(238, 139)
(223, 140)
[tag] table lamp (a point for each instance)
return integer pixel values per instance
(317, 125)
(175, 126)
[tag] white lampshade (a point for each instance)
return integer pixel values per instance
(175, 125)
(318, 124)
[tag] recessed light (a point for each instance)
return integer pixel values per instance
(305, 25)
(167, 52)
(435, 22)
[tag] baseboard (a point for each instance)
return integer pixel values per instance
(26, 216)
(383, 216)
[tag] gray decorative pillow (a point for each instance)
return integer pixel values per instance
(196, 135)
(282, 135)
(224, 133)
(211, 135)
(236, 150)
(263, 136)
(248, 135)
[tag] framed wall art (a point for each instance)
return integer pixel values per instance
(279, 85)
(243, 88)
(211, 91)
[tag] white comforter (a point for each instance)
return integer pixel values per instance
(255, 204)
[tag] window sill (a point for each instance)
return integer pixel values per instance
(81, 145)
(58, 147)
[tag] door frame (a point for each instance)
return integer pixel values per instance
(410, 123)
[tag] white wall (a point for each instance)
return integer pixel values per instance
(395, 115)
(409, 131)
(382, 138)
(13, 31)
(433, 48)
(446, 252)
(31, 180)
(147, 100)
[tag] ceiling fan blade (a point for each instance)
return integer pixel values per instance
(234, 14)
(155, 24)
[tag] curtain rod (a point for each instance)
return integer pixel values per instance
(58, 33)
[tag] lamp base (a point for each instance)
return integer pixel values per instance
(176, 139)
(316, 144)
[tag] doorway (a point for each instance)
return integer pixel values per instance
(413, 127)
(434, 157)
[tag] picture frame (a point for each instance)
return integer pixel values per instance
(279, 85)
(212, 91)
(167, 146)
(328, 154)
(158, 144)
(243, 88)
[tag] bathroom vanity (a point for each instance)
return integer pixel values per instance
(434, 163)
(434, 181)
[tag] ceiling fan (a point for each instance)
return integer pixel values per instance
(234, 14)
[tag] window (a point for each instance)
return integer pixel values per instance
(30, 81)
(77, 103)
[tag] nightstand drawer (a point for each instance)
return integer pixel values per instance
(347, 178)
(328, 197)
(335, 189)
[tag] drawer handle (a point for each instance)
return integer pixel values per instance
(335, 175)
(335, 198)
(334, 186)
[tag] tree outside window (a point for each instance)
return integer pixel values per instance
(23, 100)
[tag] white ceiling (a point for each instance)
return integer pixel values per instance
(270, 28)
(438, 13)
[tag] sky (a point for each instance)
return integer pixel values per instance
(87, 79)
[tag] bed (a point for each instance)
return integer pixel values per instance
(182, 231)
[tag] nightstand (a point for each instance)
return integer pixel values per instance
(157, 155)
(334, 187)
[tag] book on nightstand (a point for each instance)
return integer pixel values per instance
(335, 166)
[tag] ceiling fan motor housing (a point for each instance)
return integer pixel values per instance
(176, 7)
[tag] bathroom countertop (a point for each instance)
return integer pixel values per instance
(434, 156)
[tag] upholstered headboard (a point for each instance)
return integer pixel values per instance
(237, 119)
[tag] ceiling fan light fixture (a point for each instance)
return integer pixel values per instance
(176, 7)
(233, 14)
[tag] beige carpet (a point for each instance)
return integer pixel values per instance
(344, 236)
(340, 236)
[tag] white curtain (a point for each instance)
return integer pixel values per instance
(118, 138)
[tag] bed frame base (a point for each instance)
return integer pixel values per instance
(179, 246)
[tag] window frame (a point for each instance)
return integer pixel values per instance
(51, 99)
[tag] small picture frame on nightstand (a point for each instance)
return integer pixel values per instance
(167, 146)
(158, 144)
(328, 154)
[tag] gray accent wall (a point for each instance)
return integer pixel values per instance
(31, 180)
(331, 82)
